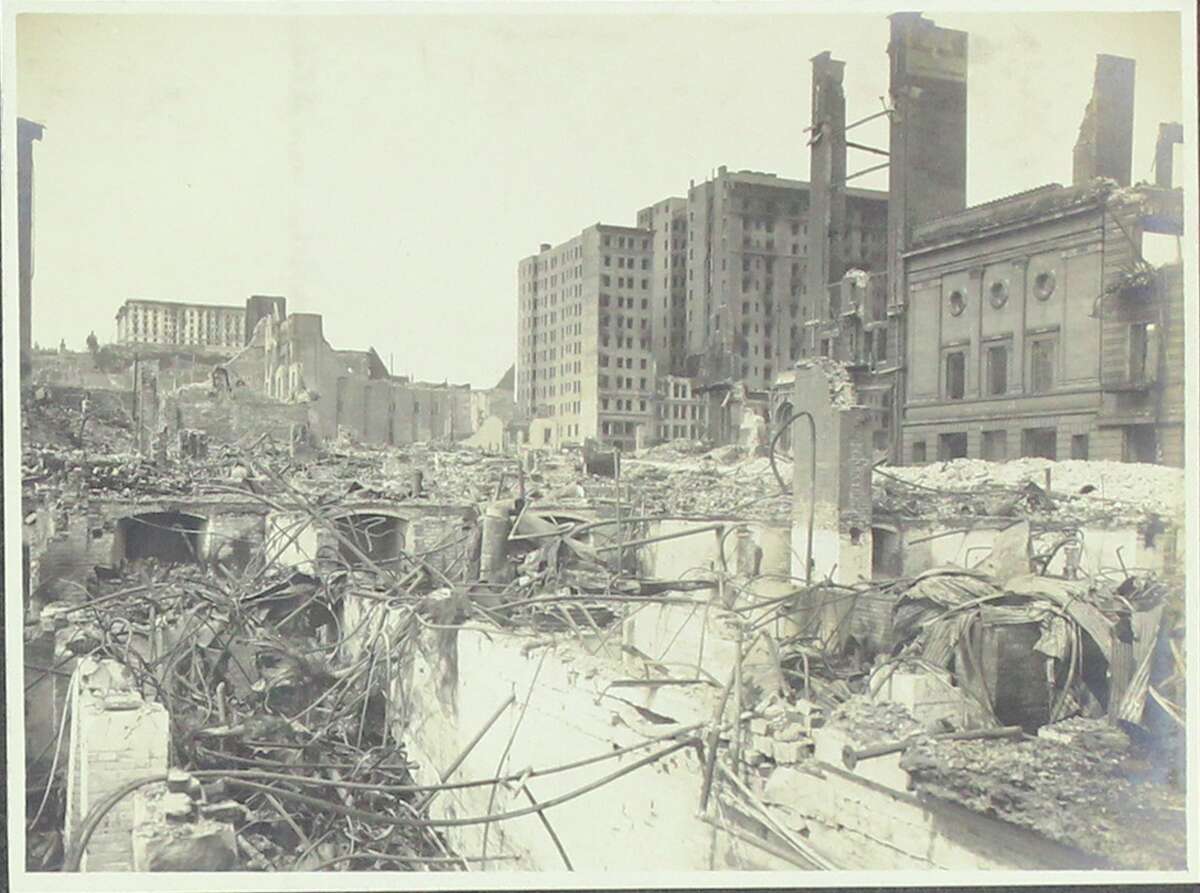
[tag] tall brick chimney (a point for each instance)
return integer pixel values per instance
(1170, 134)
(928, 170)
(827, 176)
(1105, 144)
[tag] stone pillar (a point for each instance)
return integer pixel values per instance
(840, 500)
(116, 737)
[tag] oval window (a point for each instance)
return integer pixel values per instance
(958, 302)
(998, 293)
(1043, 285)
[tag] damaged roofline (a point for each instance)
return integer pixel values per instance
(986, 232)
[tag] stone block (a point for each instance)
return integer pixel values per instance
(928, 696)
(790, 732)
(762, 744)
(788, 752)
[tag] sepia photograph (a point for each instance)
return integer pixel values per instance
(512, 445)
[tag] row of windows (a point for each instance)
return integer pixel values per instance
(623, 301)
(618, 381)
(621, 241)
(624, 342)
(1042, 351)
(679, 411)
(622, 405)
(620, 362)
(678, 432)
(618, 427)
(1039, 442)
(627, 263)
(622, 281)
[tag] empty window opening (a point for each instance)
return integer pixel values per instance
(997, 370)
(952, 446)
(167, 537)
(956, 375)
(1079, 446)
(994, 446)
(1143, 359)
(918, 452)
(887, 561)
(1141, 444)
(1041, 364)
(1041, 443)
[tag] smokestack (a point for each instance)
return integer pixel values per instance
(827, 176)
(1169, 135)
(928, 153)
(1105, 144)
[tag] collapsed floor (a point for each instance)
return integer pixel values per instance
(319, 677)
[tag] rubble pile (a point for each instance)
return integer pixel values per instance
(1095, 798)
(273, 690)
(1080, 491)
(249, 668)
(719, 483)
(874, 722)
(52, 417)
(117, 475)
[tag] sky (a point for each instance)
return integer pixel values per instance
(388, 172)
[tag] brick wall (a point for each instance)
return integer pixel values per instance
(228, 418)
(441, 540)
(69, 553)
(116, 737)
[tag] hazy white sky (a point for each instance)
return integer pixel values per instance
(388, 172)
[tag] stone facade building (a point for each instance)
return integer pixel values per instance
(1030, 333)
(141, 321)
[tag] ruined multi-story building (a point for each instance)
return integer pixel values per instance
(351, 391)
(857, 314)
(679, 411)
(1035, 329)
(1034, 325)
(142, 321)
(668, 287)
(747, 268)
(1027, 325)
(585, 352)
